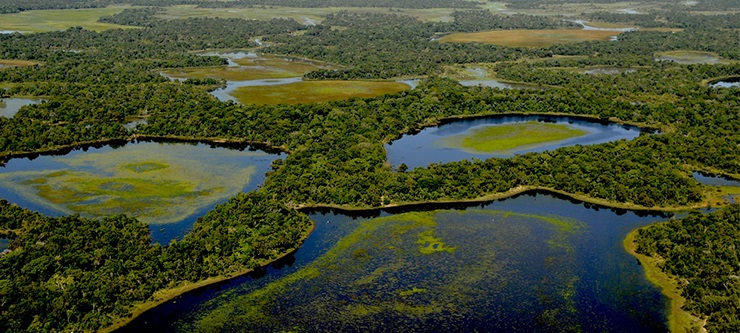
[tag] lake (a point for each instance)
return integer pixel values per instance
(535, 262)
(166, 185)
(429, 145)
(726, 83)
(10, 106)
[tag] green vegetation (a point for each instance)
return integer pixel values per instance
(409, 282)
(689, 57)
(503, 138)
(251, 68)
(315, 91)
(700, 255)
(167, 189)
(50, 20)
(93, 82)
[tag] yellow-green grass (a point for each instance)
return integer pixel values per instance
(529, 38)
(261, 67)
(574, 9)
(151, 183)
(679, 320)
(691, 57)
(16, 63)
(315, 91)
(301, 15)
(609, 25)
(51, 20)
(508, 137)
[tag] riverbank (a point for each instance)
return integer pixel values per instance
(507, 194)
(162, 296)
(679, 320)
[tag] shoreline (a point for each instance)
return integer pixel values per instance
(165, 295)
(507, 194)
(679, 320)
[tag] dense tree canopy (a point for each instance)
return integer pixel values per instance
(94, 83)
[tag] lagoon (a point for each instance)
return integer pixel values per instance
(10, 106)
(732, 82)
(535, 262)
(166, 185)
(430, 144)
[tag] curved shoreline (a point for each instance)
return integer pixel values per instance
(504, 195)
(679, 320)
(162, 296)
(65, 149)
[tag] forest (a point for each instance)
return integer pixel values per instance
(93, 83)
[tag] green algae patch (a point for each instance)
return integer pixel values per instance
(375, 274)
(315, 91)
(154, 182)
(430, 244)
(511, 137)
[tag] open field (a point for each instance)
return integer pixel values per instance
(16, 63)
(315, 91)
(251, 68)
(301, 15)
(51, 20)
(529, 38)
(501, 138)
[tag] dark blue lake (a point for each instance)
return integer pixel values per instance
(533, 263)
(427, 146)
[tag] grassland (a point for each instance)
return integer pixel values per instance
(529, 38)
(51, 20)
(251, 68)
(679, 320)
(16, 63)
(302, 15)
(315, 91)
(508, 137)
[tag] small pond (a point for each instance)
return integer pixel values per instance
(167, 185)
(10, 106)
(491, 83)
(607, 71)
(4, 244)
(447, 142)
(726, 83)
(532, 263)
(713, 180)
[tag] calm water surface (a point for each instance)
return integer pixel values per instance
(167, 185)
(526, 264)
(727, 83)
(10, 106)
(425, 147)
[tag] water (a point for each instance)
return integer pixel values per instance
(167, 185)
(585, 26)
(4, 242)
(493, 84)
(608, 71)
(726, 83)
(224, 94)
(426, 147)
(10, 106)
(713, 180)
(535, 262)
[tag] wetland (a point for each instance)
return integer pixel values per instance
(533, 262)
(500, 136)
(166, 185)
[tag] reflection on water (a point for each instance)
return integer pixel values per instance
(727, 83)
(713, 180)
(167, 185)
(530, 263)
(494, 84)
(10, 106)
(425, 147)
